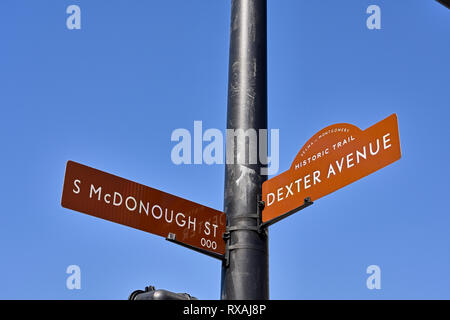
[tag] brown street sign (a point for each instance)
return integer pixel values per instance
(333, 158)
(112, 198)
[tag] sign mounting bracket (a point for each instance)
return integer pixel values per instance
(307, 202)
(257, 228)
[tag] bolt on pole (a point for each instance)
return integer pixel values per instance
(245, 271)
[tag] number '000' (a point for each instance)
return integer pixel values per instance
(208, 244)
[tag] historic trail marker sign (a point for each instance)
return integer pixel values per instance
(333, 158)
(112, 198)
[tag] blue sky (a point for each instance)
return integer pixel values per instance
(110, 95)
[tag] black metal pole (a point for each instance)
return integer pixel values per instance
(245, 272)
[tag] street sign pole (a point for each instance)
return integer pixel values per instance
(245, 272)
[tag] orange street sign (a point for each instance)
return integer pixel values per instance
(333, 158)
(112, 198)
